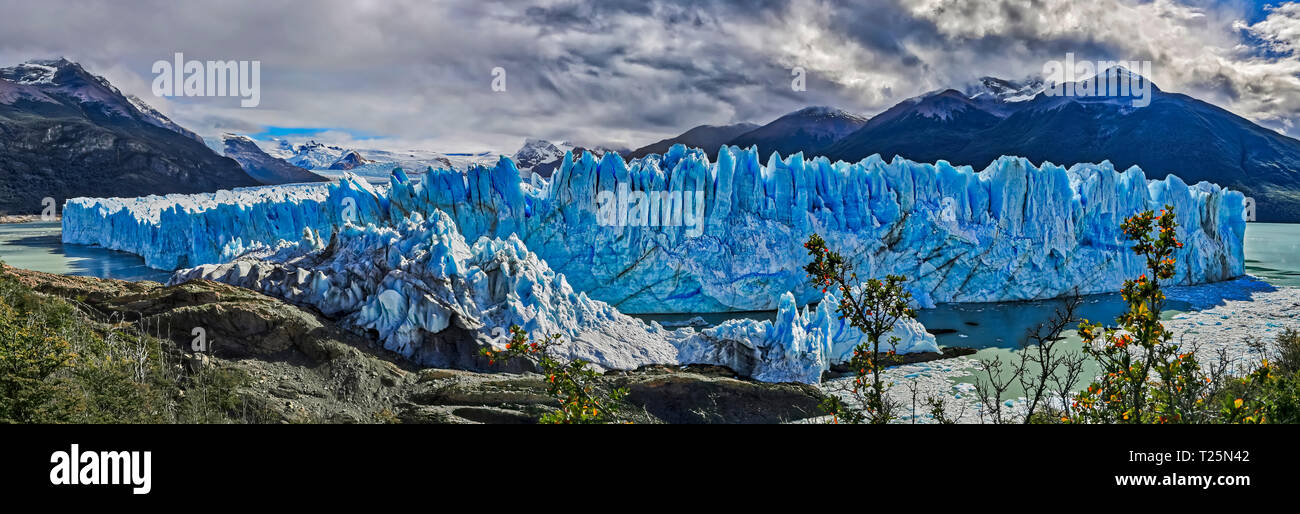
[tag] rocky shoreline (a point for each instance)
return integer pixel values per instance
(23, 218)
(304, 368)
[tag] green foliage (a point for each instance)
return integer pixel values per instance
(211, 395)
(1287, 345)
(939, 411)
(1144, 379)
(1270, 393)
(573, 384)
(873, 308)
(30, 354)
(58, 366)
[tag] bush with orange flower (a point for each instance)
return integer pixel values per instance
(873, 307)
(573, 384)
(1145, 377)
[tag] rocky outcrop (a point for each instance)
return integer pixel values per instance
(262, 167)
(302, 367)
(349, 160)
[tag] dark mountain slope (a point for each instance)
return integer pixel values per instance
(66, 133)
(708, 137)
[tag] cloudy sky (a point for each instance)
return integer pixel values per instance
(418, 74)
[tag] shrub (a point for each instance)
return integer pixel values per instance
(873, 308)
(1144, 377)
(30, 354)
(59, 366)
(572, 384)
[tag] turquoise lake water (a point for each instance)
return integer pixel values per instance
(1272, 253)
(38, 246)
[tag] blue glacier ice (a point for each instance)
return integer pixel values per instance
(428, 295)
(1013, 231)
(799, 343)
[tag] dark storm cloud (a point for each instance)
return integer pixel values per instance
(627, 72)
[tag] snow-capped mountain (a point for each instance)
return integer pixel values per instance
(152, 116)
(372, 163)
(539, 151)
(412, 160)
(930, 127)
(278, 148)
(66, 132)
(262, 167)
(1174, 134)
(1007, 91)
(540, 156)
(60, 80)
(311, 155)
(543, 157)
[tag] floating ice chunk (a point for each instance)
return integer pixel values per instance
(797, 347)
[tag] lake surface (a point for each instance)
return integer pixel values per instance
(1272, 253)
(38, 246)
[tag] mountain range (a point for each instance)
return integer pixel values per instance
(807, 130)
(708, 137)
(1175, 134)
(65, 132)
(263, 167)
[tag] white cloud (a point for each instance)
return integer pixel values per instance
(630, 72)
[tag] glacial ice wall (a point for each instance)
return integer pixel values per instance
(1013, 231)
(179, 231)
(428, 295)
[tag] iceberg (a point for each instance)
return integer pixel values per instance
(620, 232)
(798, 346)
(428, 295)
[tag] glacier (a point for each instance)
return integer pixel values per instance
(428, 295)
(1013, 231)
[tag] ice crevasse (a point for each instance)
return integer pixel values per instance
(435, 299)
(1014, 231)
